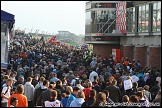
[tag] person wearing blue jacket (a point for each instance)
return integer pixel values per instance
(79, 100)
(72, 96)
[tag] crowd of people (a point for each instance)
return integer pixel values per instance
(45, 75)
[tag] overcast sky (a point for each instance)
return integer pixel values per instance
(47, 16)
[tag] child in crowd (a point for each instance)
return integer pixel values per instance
(14, 102)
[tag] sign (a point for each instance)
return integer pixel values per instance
(127, 84)
(121, 17)
(104, 5)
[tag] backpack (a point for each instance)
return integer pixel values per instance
(5, 91)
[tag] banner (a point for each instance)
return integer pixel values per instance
(127, 84)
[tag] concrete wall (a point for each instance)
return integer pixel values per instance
(141, 40)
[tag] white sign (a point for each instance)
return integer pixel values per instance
(127, 84)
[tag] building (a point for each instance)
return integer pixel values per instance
(133, 27)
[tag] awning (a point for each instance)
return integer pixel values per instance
(7, 16)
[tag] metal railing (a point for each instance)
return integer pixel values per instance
(106, 22)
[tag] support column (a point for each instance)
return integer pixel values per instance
(155, 56)
(140, 54)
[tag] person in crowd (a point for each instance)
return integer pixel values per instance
(134, 99)
(22, 99)
(87, 90)
(65, 98)
(140, 74)
(93, 63)
(92, 74)
(154, 90)
(45, 95)
(125, 99)
(39, 91)
(159, 79)
(20, 81)
(72, 96)
(107, 97)
(60, 89)
(114, 91)
(78, 84)
(142, 99)
(29, 91)
(147, 92)
(141, 82)
(40, 83)
(13, 77)
(158, 99)
(35, 81)
(100, 100)
(79, 100)
(14, 102)
(70, 76)
(53, 102)
(91, 99)
(5, 93)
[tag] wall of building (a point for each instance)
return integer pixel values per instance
(104, 50)
(141, 40)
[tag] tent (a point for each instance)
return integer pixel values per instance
(7, 16)
(7, 22)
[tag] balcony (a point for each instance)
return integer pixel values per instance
(102, 40)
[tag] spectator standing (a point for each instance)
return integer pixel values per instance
(114, 91)
(53, 102)
(100, 100)
(79, 100)
(29, 91)
(92, 74)
(5, 94)
(40, 83)
(14, 102)
(45, 95)
(22, 99)
(90, 100)
(87, 90)
(35, 81)
(39, 91)
(72, 96)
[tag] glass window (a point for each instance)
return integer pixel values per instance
(159, 16)
(147, 18)
(88, 17)
(154, 16)
(139, 19)
(143, 17)
(130, 19)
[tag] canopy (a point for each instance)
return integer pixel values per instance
(7, 16)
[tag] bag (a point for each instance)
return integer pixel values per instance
(5, 91)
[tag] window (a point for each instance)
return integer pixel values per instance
(88, 17)
(130, 19)
(139, 19)
(103, 16)
(143, 17)
(156, 16)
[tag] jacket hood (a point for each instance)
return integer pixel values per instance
(28, 83)
(79, 101)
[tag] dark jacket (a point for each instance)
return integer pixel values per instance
(141, 83)
(37, 94)
(45, 95)
(88, 102)
(34, 82)
(114, 92)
